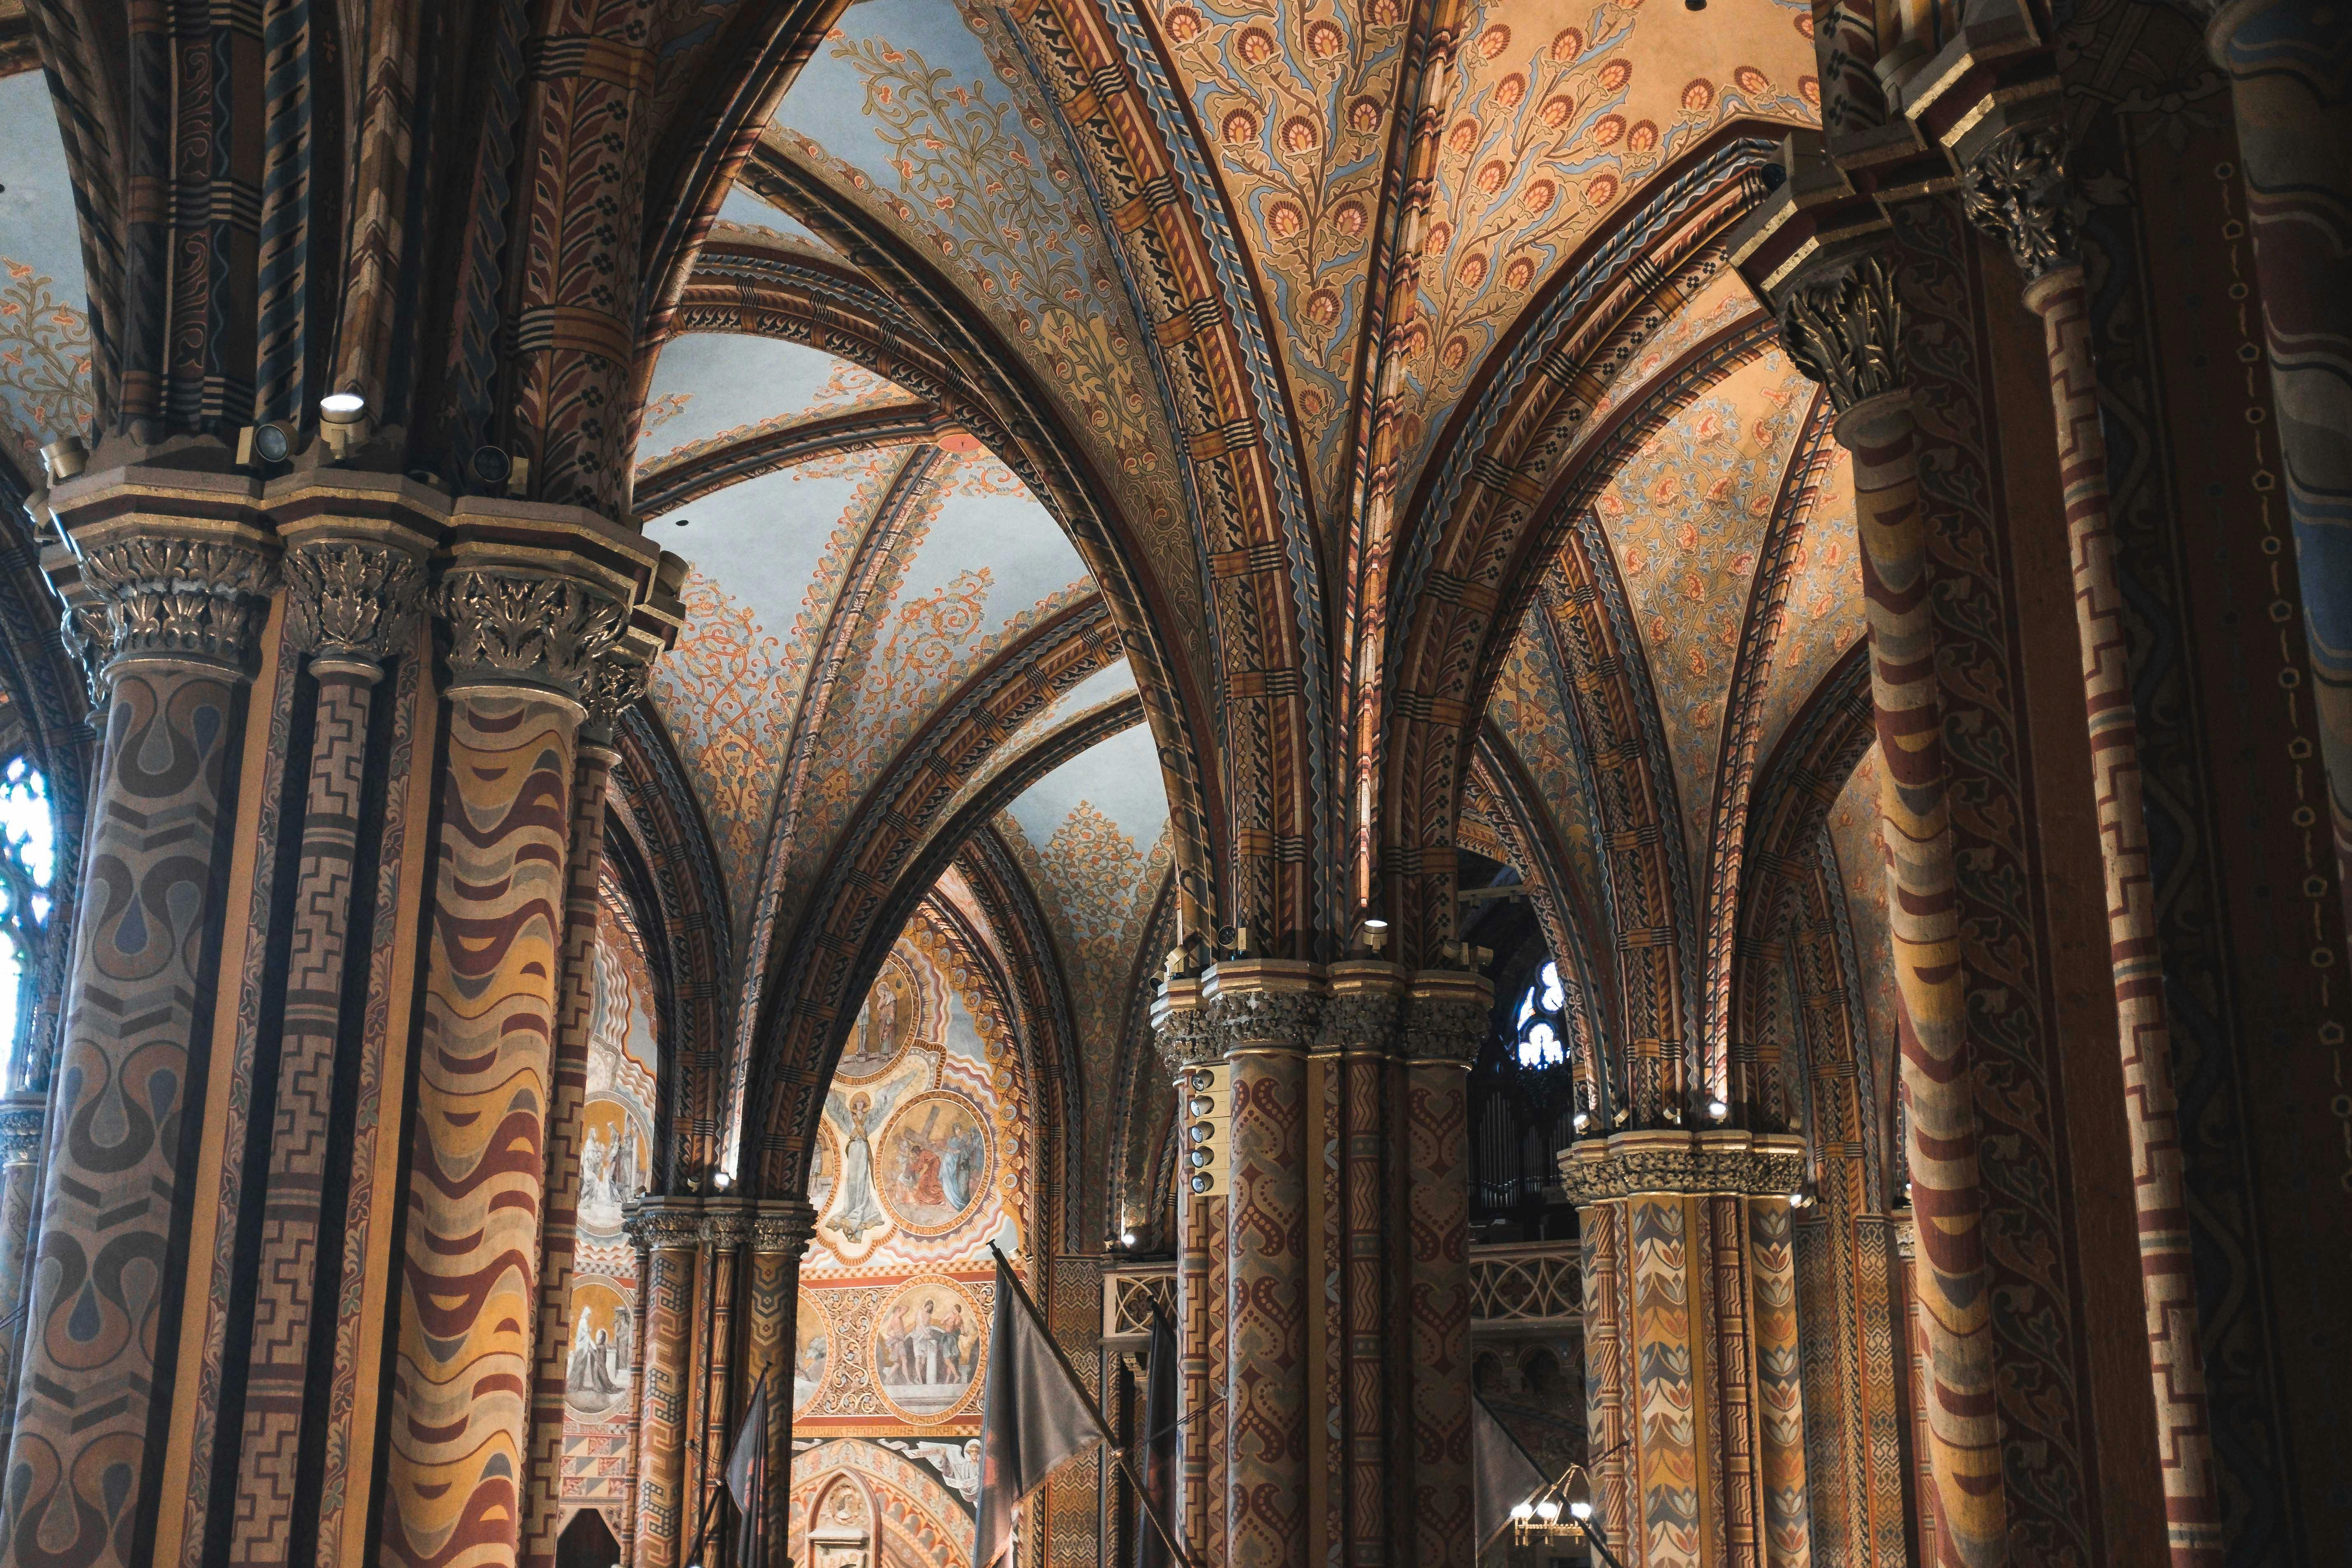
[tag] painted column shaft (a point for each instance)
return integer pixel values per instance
(2288, 62)
(1445, 1021)
(2175, 1359)
(301, 1140)
(666, 1302)
(558, 1230)
(20, 1172)
(780, 1234)
(1938, 1094)
(139, 1011)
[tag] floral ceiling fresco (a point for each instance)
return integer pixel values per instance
(1532, 708)
(1687, 519)
(926, 1157)
(1092, 837)
(45, 343)
(1562, 113)
(714, 388)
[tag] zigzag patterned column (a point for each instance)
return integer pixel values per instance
(668, 1239)
(1446, 1017)
(522, 640)
(618, 681)
(186, 595)
(2288, 62)
(1845, 332)
(780, 1234)
(352, 605)
(1691, 1345)
(2017, 189)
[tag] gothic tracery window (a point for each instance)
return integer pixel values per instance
(27, 865)
(1541, 1022)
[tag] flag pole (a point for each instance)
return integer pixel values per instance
(1117, 1456)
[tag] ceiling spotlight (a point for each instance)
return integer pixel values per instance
(1201, 1181)
(341, 407)
(1803, 1196)
(262, 444)
(344, 423)
(1718, 1109)
(1373, 935)
(1583, 1120)
(65, 458)
(722, 1180)
(1127, 1238)
(1201, 1105)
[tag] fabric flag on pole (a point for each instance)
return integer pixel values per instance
(1505, 1476)
(747, 1476)
(1158, 1498)
(1033, 1415)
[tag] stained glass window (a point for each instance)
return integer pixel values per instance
(1543, 1032)
(27, 863)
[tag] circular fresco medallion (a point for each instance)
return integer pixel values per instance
(811, 1351)
(933, 1162)
(886, 1024)
(928, 1343)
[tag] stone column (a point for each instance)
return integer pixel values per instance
(352, 599)
(2286, 65)
(668, 1236)
(1446, 1018)
(21, 1120)
(779, 1233)
(525, 625)
(1691, 1286)
(2017, 189)
(617, 680)
(184, 570)
(1191, 1048)
(725, 1230)
(1845, 330)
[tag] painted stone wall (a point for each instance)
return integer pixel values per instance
(616, 1166)
(924, 1160)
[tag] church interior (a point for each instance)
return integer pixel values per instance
(1617, 731)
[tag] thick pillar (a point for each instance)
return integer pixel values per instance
(2017, 188)
(668, 1237)
(617, 680)
(1202, 1188)
(184, 570)
(781, 1229)
(2289, 61)
(1846, 331)
(1691, 1365)
(352, 599)
(725, 1231)
(525, 626)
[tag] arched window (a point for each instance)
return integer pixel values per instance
(29, 853)
(1541, 1022)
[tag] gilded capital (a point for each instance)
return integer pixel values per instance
(179, 596)
(782, 1226)
(1741, 1163)
(1244, 1011)
(352, 600)
(618, 676)
(511, 625)
(1845, 330)
(2016, 190)
(657, 1224)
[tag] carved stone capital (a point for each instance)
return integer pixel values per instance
(171, 597)
(1186, 1040)
(1844, 329)
(784, 1226)
(514, 627)
(725, 1229)
(1360, 1018)
(1243, 1020)
(1447, 1023)
(2016, 190)
(657, 1224)
(617, 679)
(1747, 1164)
(20, 1132)
(351, 601)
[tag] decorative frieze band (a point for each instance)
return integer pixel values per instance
(1750, 1164)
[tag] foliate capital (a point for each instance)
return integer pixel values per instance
(657, 1226)
(784, 1226)
(2016, 190)
(515, 627)
(352, 600)
(1245, 1019)
(1741, 1163)
(1360, 1018)
(617, 679)
(176, 596)
(1446, 1025)
(1845, 330)
(1186, 1040)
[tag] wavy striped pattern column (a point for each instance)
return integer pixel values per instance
(184, 619)
(1915, 819)
(2286, 65)
(559, 1227)
(2176, 1360)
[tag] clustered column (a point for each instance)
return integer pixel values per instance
(1322, 1267)
(1693, 1388)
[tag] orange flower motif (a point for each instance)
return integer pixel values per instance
(1463, 136)
(1615, 75)
(1240, 126)
(1698, 97)
(1539, 196)
(1491, 177)
(1557, 111)
(1722, 488)
(1323, 41)
(1510, 89)
(1494, 41)
(1752, 82)
(1607, 129)
(1567, 44)
(1519, 273)
(1694, 587)
(1642, 137)
(1472, 272)
(1687, 536)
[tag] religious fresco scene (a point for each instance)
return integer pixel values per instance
(1171, 784)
